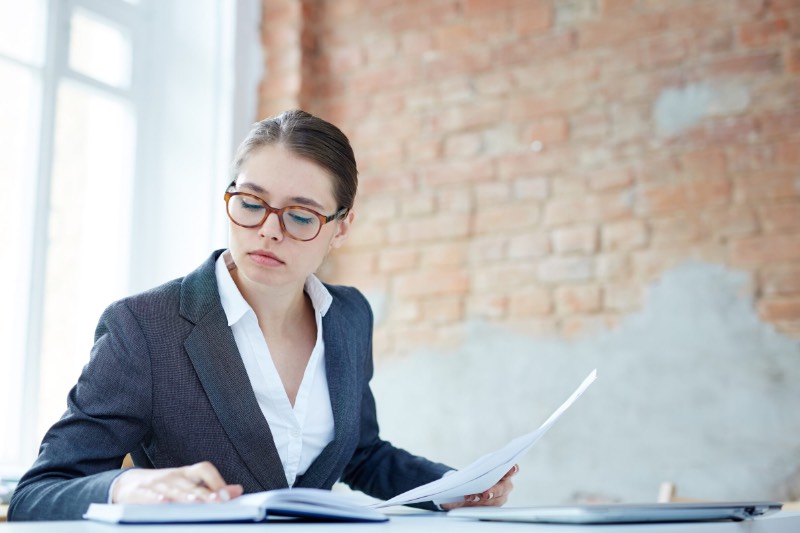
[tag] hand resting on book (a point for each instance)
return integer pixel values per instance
(200, 482)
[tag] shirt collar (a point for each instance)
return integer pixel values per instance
(234, 304)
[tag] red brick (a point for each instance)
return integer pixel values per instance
(577, 299)
(585, 125)
(717, 40)
(767, 187)
(728, 221)
(780, 124)
(489, 249)
(529, 163)
(763, 32)
(581, 239)
(463, 145)
(611, 178)
(532, 17)
(431, 283)
(615, 30)
(613, 266)
(749, 157)
(385, 77)
(668, 198)
(749, 65)
(528, 246)
(442, 310)
(793, 59)
(494, 83)
(547, 130)
(706, 163)
(530, 301)
(624, 235)
(422, 150)
(433, 13)
(418, 203)
(726, 131)
(492, 193)
(397, 259)
(764, 250)
(457, 63)
(787, 154)
(415, 42)
(780, 280)
(506, 218)
(456, 171)
(487, 306)
(560, 211)
(432, 228)
(623, 297)
(503, 277)
(403, 311)
(581, 326)
(444, 255)
(346, 58)
(658, 169)
(453, 37)
(666, 49)
(673, 230)
(786, 308)
(543, 47)
(477, 114)
(566, 269)
(536, 188)
(531, 106)
(455, 201)
(366, 235)
(780, 218)
(617, 7)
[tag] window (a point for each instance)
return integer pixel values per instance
(104, 104)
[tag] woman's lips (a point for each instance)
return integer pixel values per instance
(265, 258)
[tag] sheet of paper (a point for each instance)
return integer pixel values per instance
(484, 472)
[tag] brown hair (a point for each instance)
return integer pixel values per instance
(311, 138)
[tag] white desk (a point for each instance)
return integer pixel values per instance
(414, 523)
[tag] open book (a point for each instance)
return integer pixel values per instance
(315, 504)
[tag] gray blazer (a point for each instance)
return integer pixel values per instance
(166, 383)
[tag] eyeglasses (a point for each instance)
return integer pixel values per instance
(297, 222)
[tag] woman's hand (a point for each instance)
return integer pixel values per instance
(200, 482)
(495, 496)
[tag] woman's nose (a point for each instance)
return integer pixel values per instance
(271, 228)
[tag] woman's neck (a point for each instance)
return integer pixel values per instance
(278, 309)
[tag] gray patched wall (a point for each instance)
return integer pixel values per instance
(694, 389)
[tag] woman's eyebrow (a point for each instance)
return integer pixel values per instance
(295, 200)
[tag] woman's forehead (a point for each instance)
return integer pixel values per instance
(276, 172)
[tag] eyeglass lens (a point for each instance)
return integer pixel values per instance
(297, 222)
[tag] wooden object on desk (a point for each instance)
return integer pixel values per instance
(668, 492)
(3, 512)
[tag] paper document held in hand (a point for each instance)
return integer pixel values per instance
(483, 473)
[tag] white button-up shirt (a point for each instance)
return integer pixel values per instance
(302, 431)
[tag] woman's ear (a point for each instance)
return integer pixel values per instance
(342, 229)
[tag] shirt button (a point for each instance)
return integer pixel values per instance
(295, 433)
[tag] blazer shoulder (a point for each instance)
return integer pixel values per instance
(350, 301)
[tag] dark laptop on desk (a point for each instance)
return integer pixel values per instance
(621, 513)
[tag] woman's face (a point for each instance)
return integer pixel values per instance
(263, 255)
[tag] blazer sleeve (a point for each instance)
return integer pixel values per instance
(108, 413)
(377, 467)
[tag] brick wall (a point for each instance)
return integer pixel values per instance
(537, 164)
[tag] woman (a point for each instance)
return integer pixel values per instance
(248, 374)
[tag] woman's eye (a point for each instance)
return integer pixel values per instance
(296, 218)
(251, 206)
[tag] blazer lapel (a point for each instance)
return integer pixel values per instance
(216, 359)
(344, 390)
